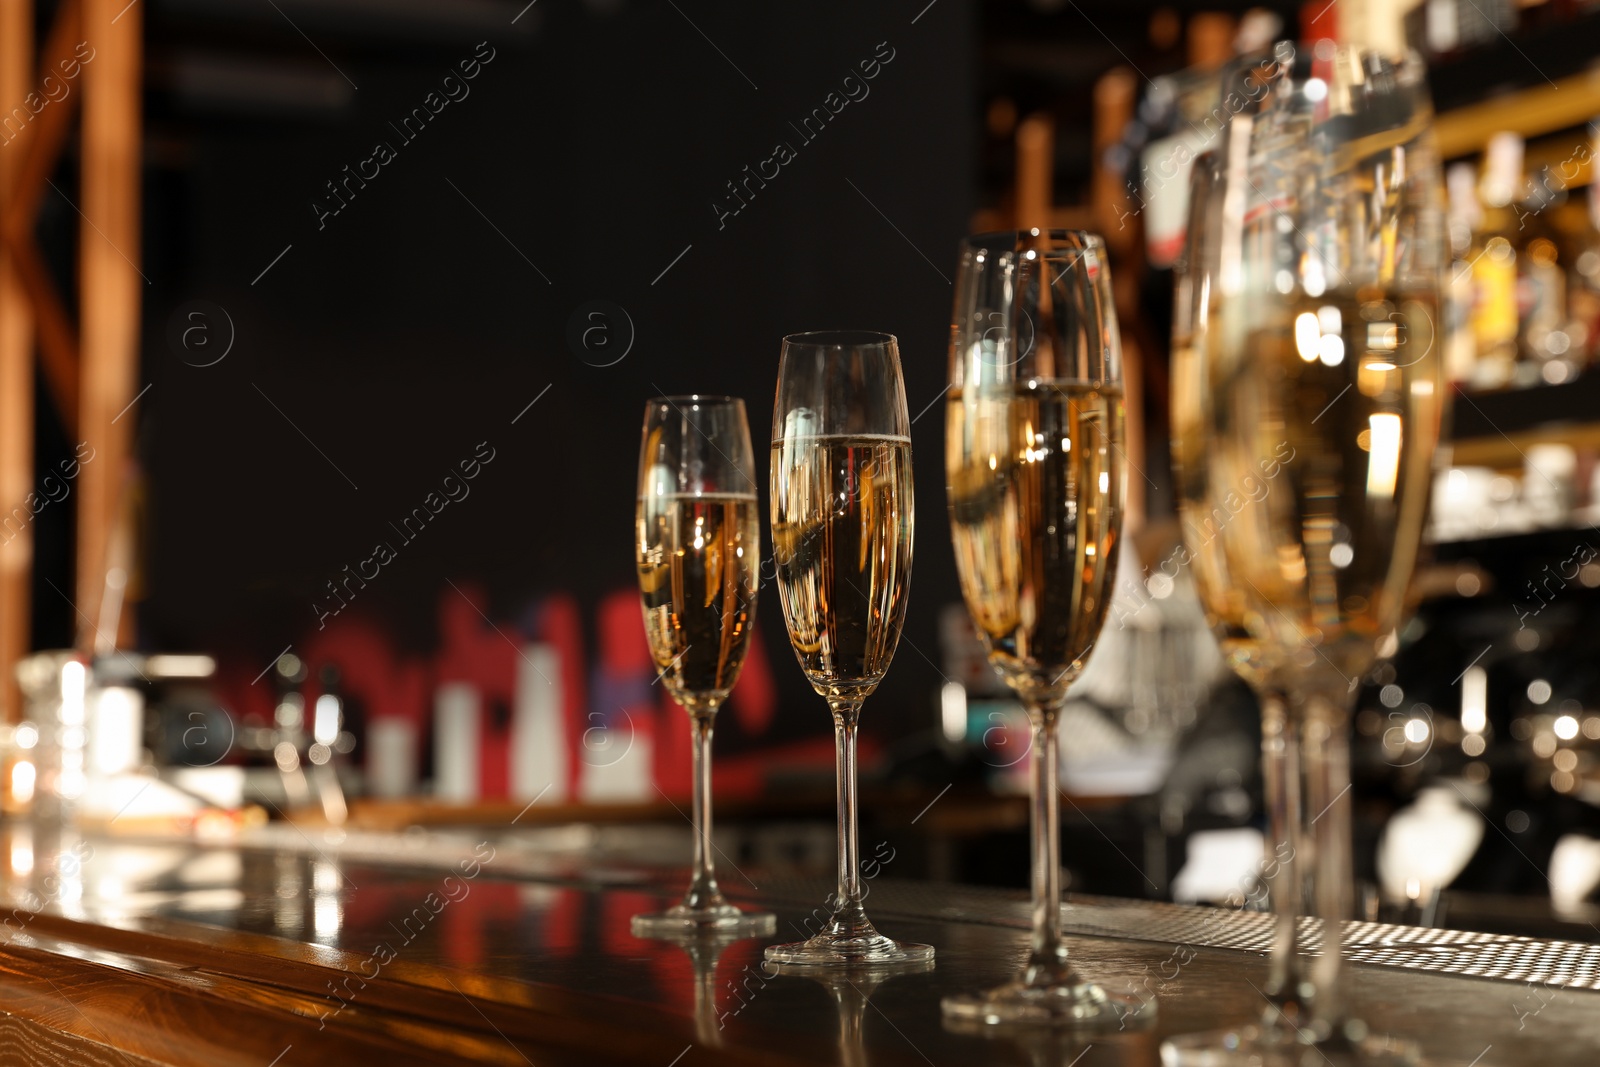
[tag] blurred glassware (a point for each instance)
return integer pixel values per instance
(1319, 277)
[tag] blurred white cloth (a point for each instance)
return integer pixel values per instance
(1222, 864)
(1427, 844)
(1574, 870)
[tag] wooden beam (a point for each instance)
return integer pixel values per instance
(16, 382)
(38, 146)
(1115, 96)
(58, 340)
(49, 130)
(109, 286)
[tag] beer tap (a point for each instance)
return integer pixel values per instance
(327, 737)
(289, 728)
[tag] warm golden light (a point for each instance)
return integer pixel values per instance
(1383, 464)
(22, 778)
(1307, 336)
(1475, 700)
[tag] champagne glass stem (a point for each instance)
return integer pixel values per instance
(1327, 770)
(703, 891)
(1047, 960)
(1280, 773)
(848, 908)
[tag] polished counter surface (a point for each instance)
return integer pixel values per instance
(301, 946)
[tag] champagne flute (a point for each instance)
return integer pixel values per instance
(1035, 467)
(698, 554)
(841, 537)
(1321, 364)
(1220, 593)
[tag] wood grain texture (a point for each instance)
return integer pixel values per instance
(187, 993)
(25, 1043)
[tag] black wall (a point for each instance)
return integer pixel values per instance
(407, 328)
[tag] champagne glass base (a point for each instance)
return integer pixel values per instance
(1070, 1004)
(1257, 1046)
(680, 919)
(843, 950)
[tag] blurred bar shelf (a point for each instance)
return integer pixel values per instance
(1494, 429)
(1516, 79)
(179, 954)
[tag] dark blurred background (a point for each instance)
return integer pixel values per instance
(424, 316)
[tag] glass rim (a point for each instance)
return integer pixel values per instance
(840, 339)
(694, 399)
(1003, 241)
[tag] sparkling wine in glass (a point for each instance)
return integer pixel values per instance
(1221, 594)
(1321, 355)
(842, 517)
(698, 551)
(1034, 461)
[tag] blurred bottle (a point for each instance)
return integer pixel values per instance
(1544, 344)
(1375, 24)
(289, 719)
(1493, 256)
(1464, 219)
(1181, 116)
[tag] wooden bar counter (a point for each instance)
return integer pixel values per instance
(303, 946)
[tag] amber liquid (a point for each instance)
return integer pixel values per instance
(1323, 413)
(698, 558)
(842, 518)
(1036, 488)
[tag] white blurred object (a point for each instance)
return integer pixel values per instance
(1258, 28)
(1547, 483)
(116, 730)
(1221, 864)
(222, 787)
(1427, 844)
(617, 764)
(1461, 505)
(1574, 870)
(132, 798)
(391, 757)
(538, 734)
(456, 744)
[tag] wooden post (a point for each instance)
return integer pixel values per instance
(110, 287)
(16, 376)
(1036, 170)
(1115, 96)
